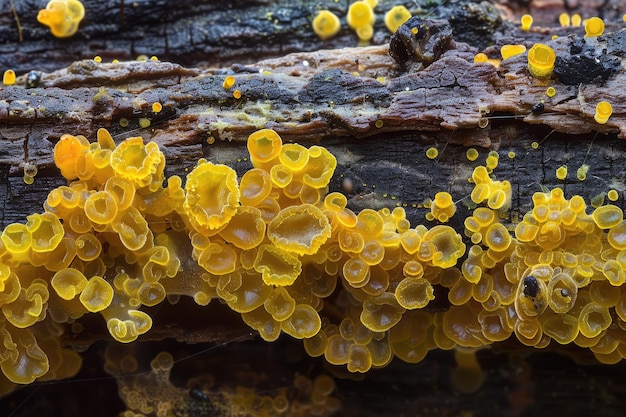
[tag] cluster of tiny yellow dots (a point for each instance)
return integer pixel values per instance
(432, 153)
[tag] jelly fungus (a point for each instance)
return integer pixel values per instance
(604, 109)
(325, 24)
(541, 60)
(395, 17)
(526, 21)
(62, 17)
(594, 27)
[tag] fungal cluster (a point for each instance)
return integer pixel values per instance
(276, 247)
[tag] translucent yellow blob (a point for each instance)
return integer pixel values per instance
(613, 195)
(541, 60)
(550, 92)
(471, 154)
(432, 153)
(229, 81)
(62, 17)
(299, 229)
(576, 20)
(581, 173)
(564, 19)
(157, 107)
(264, 145)
(480, 57)
(326, 24)
(360, 14)
(561, 172)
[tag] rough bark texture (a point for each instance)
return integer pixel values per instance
(316, 97)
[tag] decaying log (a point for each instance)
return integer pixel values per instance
(312, 97)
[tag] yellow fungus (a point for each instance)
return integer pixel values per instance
(432, 153)
(299, 229)
(508, 51)
(325, 24)
(157, 107)
(594, 27)
(581, 173)
(229, 81)
(414, 30)
(379, 123)
(8, 78)
(561, 172)
(483, 122)
(360, 14)
(511, 155)
(564, 19)
(534, 145)
(395, 17)
(278, 267)
(471, 154)
(604, 109)
(62, 17)
(526, 21)
(541, 60)
(550, 92)
(607, 216)
(576, 20)
(144, 123)
(97, 59)
(364, 33)
(237, 94)
(480, 57)
(123, 122)
(154, 58)
(613, 195)
(68, 283)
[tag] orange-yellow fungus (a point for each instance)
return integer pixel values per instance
(550, 92)
(564, 19)
(360, 14)
(541, 60)
(277, 266)
(299, 229)
(96, 295)
(101, 208)
(442, 207)
(62, 17)
(594, 27)
(97, 59)
(264, 145)
(157, 107)
(508, 51)
(607, 217)
(68, 283)
(137, 162)
(326, 24)
(246, 229)
(67, 152)
(8, 78)
(237, 94)
(480, 57)
(46, 232)
(364, 33)
(576, 20)
(604, 109)
(212, 195)
(526, 21)
(432, 153)
(229, 81)
(395, 17)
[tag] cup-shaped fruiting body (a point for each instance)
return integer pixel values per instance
(594, 27)
(604, 109)
(526, 21)
(62, 17)
(564, 19)
(212, 195)
(541, 60)
(360, 13)
(395, 17)
(576, 20)
(507, 51)
(326, 24)
(442, 207)
(8, 78)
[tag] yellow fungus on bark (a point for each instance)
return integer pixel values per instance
(229, 81)
(550, 92)
(8, 78)
(471, 154)
(604, 109)
(62, 17)
(564, 19)
(480, 57)
(541, 60)
(594, 27)
(395, 17)
(432, 153)
(360, 14)
(613, 195)
(508, 51)
(561, 172)
(326, 25)
(157, 107)
(576, 20)
(526, 21)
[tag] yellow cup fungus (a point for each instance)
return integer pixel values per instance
(594, 26)
(62, 17)
(526, 21)
(508, 51)
(541, 60)
(361, 19)
(8, 78)
(395, 17)
(326, 25)
(576, 20)
(564, 19)
(604, 109)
